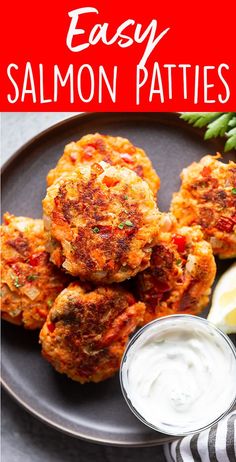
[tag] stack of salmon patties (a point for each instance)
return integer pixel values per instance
(101, 221)
(66, 274)
(104, 260)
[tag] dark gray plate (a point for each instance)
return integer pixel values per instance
(95, 412)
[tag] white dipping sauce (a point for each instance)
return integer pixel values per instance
(179, 374)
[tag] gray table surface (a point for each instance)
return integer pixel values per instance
(24, 438)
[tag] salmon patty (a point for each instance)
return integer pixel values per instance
(101, 222)
(29, 282)
(113, 150)
(87, 330)
(207, 197)
(180, 276)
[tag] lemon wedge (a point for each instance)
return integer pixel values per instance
(223, 308)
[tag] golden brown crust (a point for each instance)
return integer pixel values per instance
(180, 276)
(207, 197)
(87, 330)
(29, 282)
(113, 150)
(101, 222)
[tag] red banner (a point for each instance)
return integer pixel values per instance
(118, 56)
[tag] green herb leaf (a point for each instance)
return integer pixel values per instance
(16, 281)
(179, 261)
(218, 127)
(126, 197)
(217, 123)
(129, 223)
(232, 122)
(199, 119)
(231, 132)
(126, 223)
(32, 277)
(231, 141)
(233, 191)
(49, 302)
(95, 230)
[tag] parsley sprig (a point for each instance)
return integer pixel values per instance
(217, 123)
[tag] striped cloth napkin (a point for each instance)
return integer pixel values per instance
(216, 444)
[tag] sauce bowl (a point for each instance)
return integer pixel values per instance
(178, 374)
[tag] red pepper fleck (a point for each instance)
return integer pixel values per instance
(139, 170)
(73, 157)
(180, 242)
(226, 224)
(41, 313)
(127, 158)
(7, 219)
(109, 181)
(96, 169)
(98, 144)
(51, 326)
(206, 171)
(57, 201)
(88, 152)
(37, 258)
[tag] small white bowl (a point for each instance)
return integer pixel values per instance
(160, 327)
